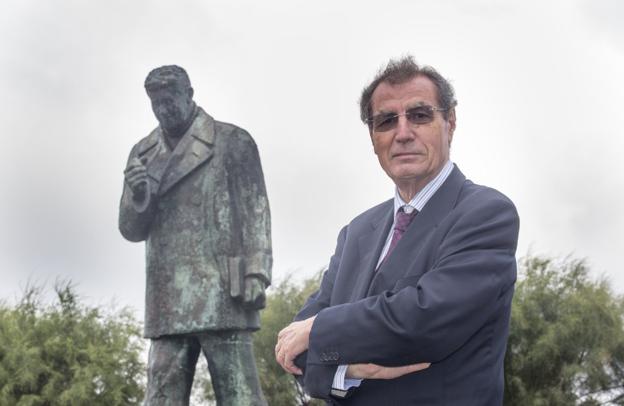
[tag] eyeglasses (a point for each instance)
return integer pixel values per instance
(418, 115)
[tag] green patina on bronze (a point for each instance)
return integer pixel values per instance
(201, 207)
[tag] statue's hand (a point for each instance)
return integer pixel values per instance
(136, 178)
(255, 297)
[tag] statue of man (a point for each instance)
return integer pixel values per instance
(194, 192)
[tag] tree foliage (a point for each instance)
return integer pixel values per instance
(279, 388)
(566, 344)
(283, 302)
(67, 353)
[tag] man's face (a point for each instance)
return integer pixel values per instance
(172, 106)
(411, 154)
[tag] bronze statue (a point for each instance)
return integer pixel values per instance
(194, 192)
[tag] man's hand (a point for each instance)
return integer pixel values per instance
(292, 341)
(136, 178)
(374, 371)
(255, 297)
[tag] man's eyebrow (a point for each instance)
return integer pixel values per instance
(385, 112)
(419, 103)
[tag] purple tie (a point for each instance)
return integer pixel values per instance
(401, 221)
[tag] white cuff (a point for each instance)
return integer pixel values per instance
(339, 379)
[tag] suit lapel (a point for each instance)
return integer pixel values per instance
(398, 264)
(370, 245)
(195, 148)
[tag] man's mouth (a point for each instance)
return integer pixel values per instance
(405, 154)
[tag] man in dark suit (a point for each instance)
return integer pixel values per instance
(194, 192)
(414, 307)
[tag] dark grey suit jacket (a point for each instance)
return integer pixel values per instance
(443, 296)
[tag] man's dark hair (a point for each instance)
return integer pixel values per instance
(400, 71)
(167, 76)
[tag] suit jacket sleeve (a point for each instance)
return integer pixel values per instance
(321, 375)
(427, 316)
(246, 182)
(134, 222)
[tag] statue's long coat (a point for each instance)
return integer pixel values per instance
(206, 224)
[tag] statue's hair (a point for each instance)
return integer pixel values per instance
(403, 70)
(166, 76)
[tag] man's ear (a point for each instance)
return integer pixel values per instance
(452, 122)
(191, 92)
(370, 133)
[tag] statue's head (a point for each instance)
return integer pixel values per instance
(171, 94)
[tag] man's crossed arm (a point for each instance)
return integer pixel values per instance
(294, 339)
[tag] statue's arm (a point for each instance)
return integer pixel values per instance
(252, 206)
(136, 207)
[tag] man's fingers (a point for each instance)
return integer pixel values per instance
(284, 355)
(280, 346)
(418, 367)
(395, 372)
(374, 371)
(284, 332)
(286, 361)
(290, 366)
(292, 341)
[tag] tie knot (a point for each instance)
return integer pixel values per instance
(403, 219)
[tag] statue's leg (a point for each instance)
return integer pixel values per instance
(170, 370)
(232, 368)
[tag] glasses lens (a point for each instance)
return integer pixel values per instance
(416, 115)
(420, 115)
(385, 122)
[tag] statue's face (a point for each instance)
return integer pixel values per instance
(172, 107)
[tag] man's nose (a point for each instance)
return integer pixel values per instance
(403, 130)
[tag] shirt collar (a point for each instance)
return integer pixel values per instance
(422, 197)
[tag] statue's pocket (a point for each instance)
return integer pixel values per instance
(236, 278)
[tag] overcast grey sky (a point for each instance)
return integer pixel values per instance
(539, 84)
